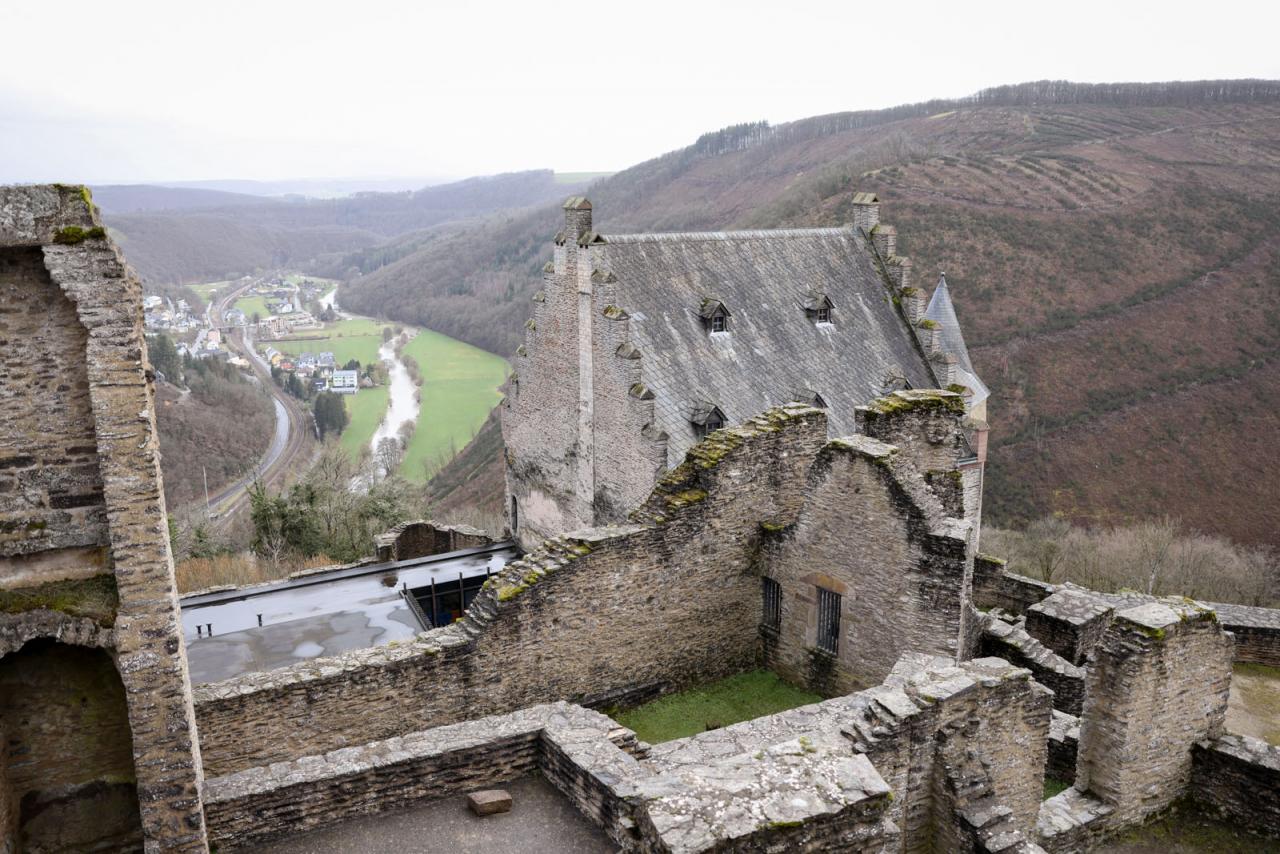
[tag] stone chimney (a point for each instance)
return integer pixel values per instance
(866, 211)
(577, 218)
(885, 238)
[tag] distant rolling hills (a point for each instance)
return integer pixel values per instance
(1114, 252)
(186, 235)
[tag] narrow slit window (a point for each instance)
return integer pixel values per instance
(772, 604)
(828, 621)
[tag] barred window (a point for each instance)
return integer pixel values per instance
(772, 604)
(828, 620)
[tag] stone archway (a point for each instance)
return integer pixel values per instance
(67, 778)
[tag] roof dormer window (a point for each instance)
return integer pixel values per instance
(715, 315)
(706, 419)
(818, 307)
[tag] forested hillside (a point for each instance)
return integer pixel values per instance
(1114, 252)
(176, 236)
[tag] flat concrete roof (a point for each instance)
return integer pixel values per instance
(274, 625)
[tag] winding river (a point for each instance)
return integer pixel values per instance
(402, 393)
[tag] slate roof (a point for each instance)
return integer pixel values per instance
(943, 312)
(765, 279)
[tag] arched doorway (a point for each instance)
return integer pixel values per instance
(66, 773)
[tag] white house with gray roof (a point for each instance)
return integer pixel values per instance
(641, 344)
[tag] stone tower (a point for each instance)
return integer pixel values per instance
(96, 725)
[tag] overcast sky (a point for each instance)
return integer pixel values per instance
(134, 90)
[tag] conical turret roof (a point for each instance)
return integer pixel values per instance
(942, 312)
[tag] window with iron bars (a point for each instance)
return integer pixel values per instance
(828, 620)
(772, 604)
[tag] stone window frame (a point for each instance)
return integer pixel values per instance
(827, 629)
(771, 604)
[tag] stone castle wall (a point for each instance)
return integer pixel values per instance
(85, 556)
(672, 599)
(48, 453)
(422, 538)
(540, 417)
(897, 564)
(855, 773)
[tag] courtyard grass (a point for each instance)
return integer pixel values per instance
(459, 389)
(1186, 829)
(727, 701)
(1254, 705)
(366, 409)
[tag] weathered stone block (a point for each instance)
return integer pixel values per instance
(489, 802)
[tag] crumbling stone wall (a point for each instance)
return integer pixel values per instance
(85, 548)
(48, 454)
(1157, 685)
(658, 605)
(424, 538)
(899, 565)
(1238, 778)
(672, 599)
(857, 773)
(67, 739)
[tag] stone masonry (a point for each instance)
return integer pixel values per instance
(84, 551)
(672, 599)
(1157, 686)
(640, 344)
(857, 773)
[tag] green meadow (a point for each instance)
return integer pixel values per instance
(366, 410)
(459, 389)
(346, 339)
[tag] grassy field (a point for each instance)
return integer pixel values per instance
(728, 701)
(346, 339)
(206, 289)
(366, 410)
(251, 304)
(298, 278)
(460, 387)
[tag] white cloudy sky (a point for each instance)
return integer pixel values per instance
(136, 90)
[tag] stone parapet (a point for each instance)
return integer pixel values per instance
(1070, 622)
(1013, 643)
(1238, 778)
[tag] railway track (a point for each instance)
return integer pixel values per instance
(289, 442)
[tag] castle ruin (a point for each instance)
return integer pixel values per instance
(845, 563)
(640, 345)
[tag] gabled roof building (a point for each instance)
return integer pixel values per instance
(640, 345)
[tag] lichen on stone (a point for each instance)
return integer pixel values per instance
(73, 234)
(94, 597)
(686, 497)
(917, 399)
